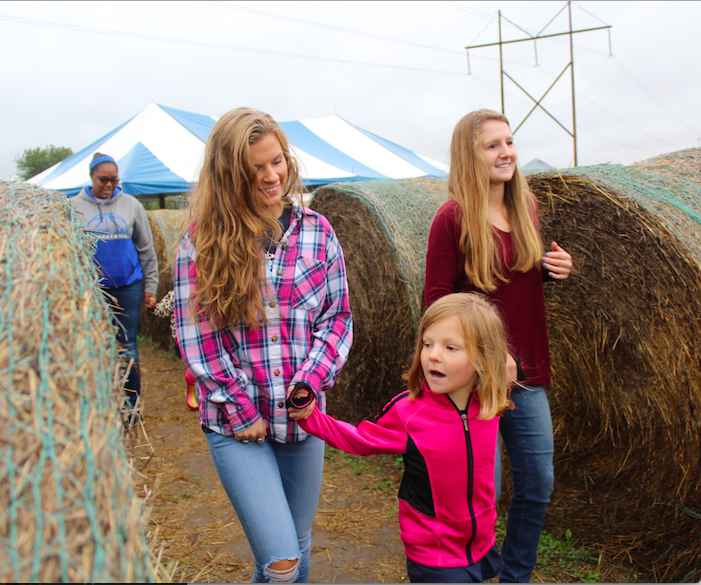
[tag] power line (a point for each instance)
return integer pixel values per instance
(220, 46)
(593, 103)
(333, 27)
(351, 31)
(648, 93)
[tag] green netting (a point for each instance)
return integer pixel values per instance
(672, 197)
(68, 512)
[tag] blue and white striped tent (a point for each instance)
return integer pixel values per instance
(160, 150)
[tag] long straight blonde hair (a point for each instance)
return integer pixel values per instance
(485, 341)
(468, 185)
(229, 221)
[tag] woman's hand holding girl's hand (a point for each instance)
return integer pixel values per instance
(301, 413)
(256, 433)
(558, 263)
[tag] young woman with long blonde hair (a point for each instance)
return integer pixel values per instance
(485, 239)
(261, 310)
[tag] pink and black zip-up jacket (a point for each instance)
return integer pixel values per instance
(446, 499)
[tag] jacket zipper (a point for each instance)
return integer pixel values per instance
(470, 474)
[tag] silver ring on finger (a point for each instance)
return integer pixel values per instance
(260, 440)
(244, 440)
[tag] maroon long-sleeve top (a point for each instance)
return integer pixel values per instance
(520, 300)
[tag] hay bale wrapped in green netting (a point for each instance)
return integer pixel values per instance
(684, 164)
(383, 228)
(165, 228)
(624, 337)
(68, 512)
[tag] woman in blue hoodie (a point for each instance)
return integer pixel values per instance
(125, 256)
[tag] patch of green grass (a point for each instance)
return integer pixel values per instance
(143, 339)
(379, 471)
(576, 561)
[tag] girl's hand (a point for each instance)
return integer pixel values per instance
(558, 263)
(256, 433)
(301, 413)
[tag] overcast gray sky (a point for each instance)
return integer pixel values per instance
(73, 71)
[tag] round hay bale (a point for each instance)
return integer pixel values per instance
(626, 359)
(68, 512)
(383, 228)
(684, 164)
(165, 228)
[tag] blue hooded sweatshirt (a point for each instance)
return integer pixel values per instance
(125, 252)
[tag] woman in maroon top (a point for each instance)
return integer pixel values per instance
(485, 239)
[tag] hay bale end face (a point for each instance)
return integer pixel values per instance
(67, 506)
(626, 357)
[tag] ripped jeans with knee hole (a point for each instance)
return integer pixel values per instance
(274, 488)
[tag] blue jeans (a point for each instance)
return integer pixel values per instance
(274, 488)
(527, 432)
(126, 318)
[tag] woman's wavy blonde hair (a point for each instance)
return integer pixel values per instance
(485, 341)
(468, 185)
(229, 222)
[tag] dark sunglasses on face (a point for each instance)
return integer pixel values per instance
(105, 180)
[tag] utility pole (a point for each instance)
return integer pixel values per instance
(570, 66)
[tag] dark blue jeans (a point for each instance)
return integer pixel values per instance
(486, 568)
(527, 432)
(126, 318)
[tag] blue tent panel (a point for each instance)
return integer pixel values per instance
(199, 124)
(78, 157)
(404, 153)
(303, 138)
(143, 174)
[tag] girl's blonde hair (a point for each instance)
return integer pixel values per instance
(485, 341)
(468, 185)
(229, 221)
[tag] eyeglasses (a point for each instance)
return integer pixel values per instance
(105, 180)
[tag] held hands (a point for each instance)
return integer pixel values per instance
(149, 300)
(300, 395)
(558, 263)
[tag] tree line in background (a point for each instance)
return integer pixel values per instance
(35, 160)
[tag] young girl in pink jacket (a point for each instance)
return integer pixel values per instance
(445, 427)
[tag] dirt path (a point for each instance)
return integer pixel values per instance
(355, 537)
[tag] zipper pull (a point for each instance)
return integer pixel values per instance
(464, 422)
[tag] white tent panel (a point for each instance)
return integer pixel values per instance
(340, 134)
(435, 163)
(175, 146)
(310, 166)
